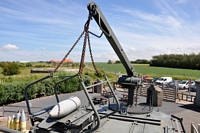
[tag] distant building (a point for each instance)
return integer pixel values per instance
(112, 62)
(58, 61)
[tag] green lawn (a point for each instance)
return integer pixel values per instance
(152, 71)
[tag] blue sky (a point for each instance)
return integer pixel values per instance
(46, 29)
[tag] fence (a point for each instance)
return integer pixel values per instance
(169, 93)
(1, 114)
(185, 96)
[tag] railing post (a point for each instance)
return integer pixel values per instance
(182, 96)
(198, 128)
(175, 90)
(192, 129)
(186, 97)
(3, 110)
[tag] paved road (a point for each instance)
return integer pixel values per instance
(182, 109)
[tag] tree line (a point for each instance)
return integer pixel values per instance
(184, 61)
(138, 61)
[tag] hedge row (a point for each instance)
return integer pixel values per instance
(14, 91)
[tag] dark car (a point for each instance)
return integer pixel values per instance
(193, 87)
(170, 84)
(155, 79)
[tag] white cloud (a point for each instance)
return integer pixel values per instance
(43, 48)
(132, 49)
(180, 1)
(143, 20)
(10, 47)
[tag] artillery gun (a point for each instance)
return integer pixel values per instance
(114, 118)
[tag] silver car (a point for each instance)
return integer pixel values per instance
(185, 84)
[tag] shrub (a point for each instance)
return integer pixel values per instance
(48, 87)
(109, 62)
(70, 85)
(118, 61)
(86, 80)
(1, 94)
(28, 64)
(31, 92)
(11, 92)
(10, 68)
(40, 88)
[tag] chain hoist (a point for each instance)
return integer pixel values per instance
(86, 39)
(60, 63)
(84, 47)
(92, 59)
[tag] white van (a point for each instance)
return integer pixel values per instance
(164, 80)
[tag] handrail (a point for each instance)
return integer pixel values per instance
(113, 93)
(115, 97)
(95, 111)
(181, 122)
(194, 129)
(26, 93)
(92, 104)
(87, 87)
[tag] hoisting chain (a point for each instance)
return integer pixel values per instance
(82, 65)
(92, 59)
(86, 39)
(83, 53)
(60, 63)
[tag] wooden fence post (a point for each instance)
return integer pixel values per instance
(182, 95)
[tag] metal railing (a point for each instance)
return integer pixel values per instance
(194, 129)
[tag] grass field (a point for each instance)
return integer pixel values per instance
(145, 69)
(142, 69)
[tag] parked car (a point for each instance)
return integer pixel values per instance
(185, 84)
(164, 80)
(155, 79)
(170, 84)
(193, 87)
